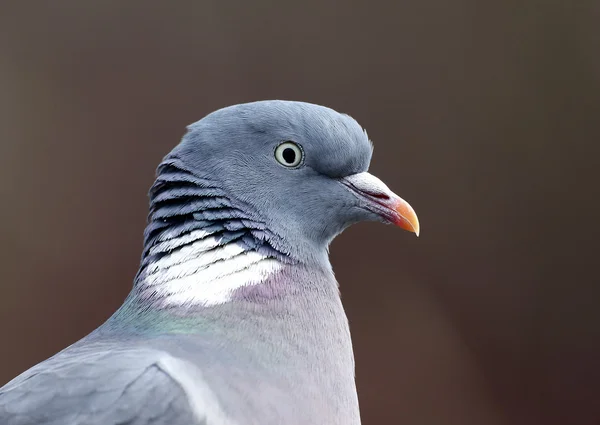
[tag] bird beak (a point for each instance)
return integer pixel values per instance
(378, 198)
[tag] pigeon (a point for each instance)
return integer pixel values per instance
(235, 316)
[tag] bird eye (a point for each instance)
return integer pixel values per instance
(289, 154)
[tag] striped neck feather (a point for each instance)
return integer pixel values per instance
(200, 246)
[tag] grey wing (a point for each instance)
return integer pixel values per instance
(94, 387)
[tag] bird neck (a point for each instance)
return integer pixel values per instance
(204, 267)
(200, 246)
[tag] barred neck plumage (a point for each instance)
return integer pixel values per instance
(200, 245)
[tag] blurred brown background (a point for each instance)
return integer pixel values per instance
(484, 116)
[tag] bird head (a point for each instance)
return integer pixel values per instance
(297, 168)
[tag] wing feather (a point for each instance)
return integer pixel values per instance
(97, 385)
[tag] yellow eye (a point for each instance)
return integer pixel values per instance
(289, 154)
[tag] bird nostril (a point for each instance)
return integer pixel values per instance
(379, 195)
(372, 193)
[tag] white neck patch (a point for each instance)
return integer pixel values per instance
(206, 273)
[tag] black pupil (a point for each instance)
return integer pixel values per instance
(289, 155)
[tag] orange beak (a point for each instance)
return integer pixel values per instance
(378, 198)
(407, 217)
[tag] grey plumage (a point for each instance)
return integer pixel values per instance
(235, 315)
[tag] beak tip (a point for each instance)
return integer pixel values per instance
(407, 218)
(415, 228)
